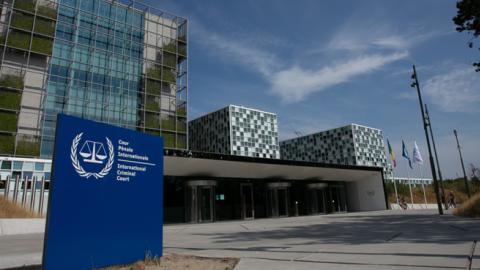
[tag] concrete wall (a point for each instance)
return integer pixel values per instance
(366, 194)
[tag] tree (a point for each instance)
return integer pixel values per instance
(468, 19)
(474, 173)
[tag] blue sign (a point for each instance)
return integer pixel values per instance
(106, 196)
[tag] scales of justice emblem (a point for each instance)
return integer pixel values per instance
(92, 152)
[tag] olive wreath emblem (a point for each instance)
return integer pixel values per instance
(79, 169)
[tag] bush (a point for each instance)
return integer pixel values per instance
(168, 124)
(181, 126)
(169, 60)
(153, 87)
(181, 143)
(152, 121)
(10, 100)
(181, 111)
(47, 11)
(45, 27)
(470, 208)
(22, 21)
(154, 72)
(152, 104)
(19, 40)
(27, 5)
(42, 45)
(169, 75)
(171, 47)
(28, 147)
(168, 140)
(7, 144)
(8, 122)
(11, 81)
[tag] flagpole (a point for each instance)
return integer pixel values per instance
(410, 185)
(394, 185)
(423, 185)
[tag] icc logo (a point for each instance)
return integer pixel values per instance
(92, 152)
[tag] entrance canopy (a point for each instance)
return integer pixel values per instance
(226, 166)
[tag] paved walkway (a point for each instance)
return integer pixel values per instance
(374, 240)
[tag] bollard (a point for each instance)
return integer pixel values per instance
(7, 187)
(42, 196)
(15, 189)
(25, 191)
(32, 196)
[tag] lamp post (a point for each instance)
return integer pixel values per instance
(467, 189)
(425, 127)
(440, 178)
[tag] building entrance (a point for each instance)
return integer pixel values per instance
(277, 199)
(246, 196)
(316, 198)
(199, 201)
(338, 202)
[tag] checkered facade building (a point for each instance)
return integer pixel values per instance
(349, 145)
(236, 130)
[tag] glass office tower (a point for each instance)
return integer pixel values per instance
(117, 62)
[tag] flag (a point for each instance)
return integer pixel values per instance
(417, 157)
(405, 154)
(392, 154)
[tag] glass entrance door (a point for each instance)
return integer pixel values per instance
(205, 207)
(277, 199)
(338, 199)
(246, 194)
(316, 201)
(199, 201)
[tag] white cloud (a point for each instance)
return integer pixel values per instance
(295, 83)
(455, 91)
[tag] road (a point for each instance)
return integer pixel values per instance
(369, 240)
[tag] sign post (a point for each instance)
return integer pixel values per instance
(106, 196)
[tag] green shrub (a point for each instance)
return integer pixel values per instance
(152, 104)
(153, 87)
(27, 5)
(152, 121)
(181, 126)
(168, 124)
(169, 60)
(171, 47)
(7, 144)
(168, 140)
(19, 40)
(169, 75)
(22, 21)
(11, 81)
(470, 208)
(154, 72)
(28, 147)
(10, 100)
(181, 111)
(8, 121)
(42, 45)
(45, 27)
(47, 11)
(181, 143)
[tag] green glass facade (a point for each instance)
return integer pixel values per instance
(120, 62)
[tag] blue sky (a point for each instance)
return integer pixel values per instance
(324, 64)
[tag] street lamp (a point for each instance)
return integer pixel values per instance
(440, 178)
(467, 189)
(425, 127)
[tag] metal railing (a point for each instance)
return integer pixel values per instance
(30, 193)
